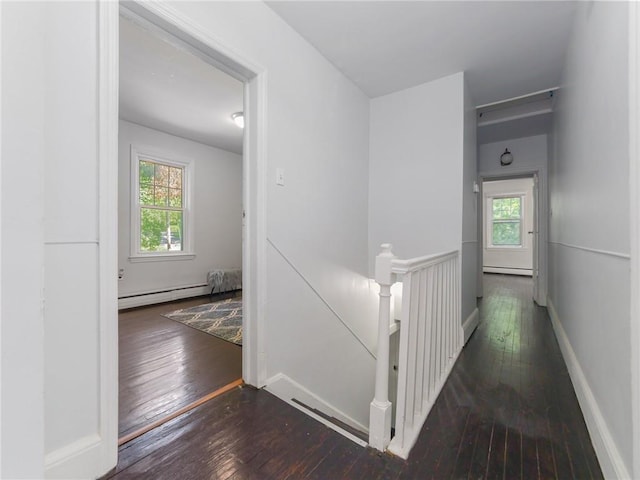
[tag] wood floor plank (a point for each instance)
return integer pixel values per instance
(508, 411)
(165, 365)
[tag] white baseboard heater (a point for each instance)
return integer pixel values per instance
(161, 296)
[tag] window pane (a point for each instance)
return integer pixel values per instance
(153, 224)
(161, 197)
(175, 177)
(175, 228)
(506, 208)
(506, 233)
(146, 172)
(162, 175)
(146, 194)
(175, 197)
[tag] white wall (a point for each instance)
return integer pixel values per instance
(51, 345)
(421, 174)
(589, 295)
(22, 251)
(528, 153)
(217, 209)
(469, 214)
(416, 169)
(317, 131)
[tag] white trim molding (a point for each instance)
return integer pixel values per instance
(76, 460)
(470, 324)
(108, 85)
(592, 250)
(608, 454)
(634, 224)
(287, 389)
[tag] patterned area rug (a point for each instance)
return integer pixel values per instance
(222, 319)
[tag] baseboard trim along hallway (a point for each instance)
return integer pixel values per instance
(606, 449)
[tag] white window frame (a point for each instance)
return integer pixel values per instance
(139, 153)
(489, 229)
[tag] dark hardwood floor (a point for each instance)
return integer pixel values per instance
(507, 411)
(165, 365)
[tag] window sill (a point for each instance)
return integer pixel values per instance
(165, 257)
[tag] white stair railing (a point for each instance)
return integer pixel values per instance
(431, 338)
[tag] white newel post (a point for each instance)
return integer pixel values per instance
(380, 409)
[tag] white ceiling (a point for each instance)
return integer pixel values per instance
(171, 90)
(507, 48)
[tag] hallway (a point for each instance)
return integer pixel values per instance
(507, 411)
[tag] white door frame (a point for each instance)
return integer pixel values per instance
(172, 22)
(542, 210)
(634, 226)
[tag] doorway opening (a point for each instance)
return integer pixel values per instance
(508, 232)
(161, 188)
(519, 226)
(180, 229)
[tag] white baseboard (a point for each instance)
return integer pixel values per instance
(287, 389)
(510, 271)
(608, 454)
(160, 297)
(470, 324)
(73, 459)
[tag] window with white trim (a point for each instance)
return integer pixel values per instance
(506, 221)
(160, 206)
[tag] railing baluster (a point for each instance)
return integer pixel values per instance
(420, 336)
(413, 349)
(380, 408)
(430, 340)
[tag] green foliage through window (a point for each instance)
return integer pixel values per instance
(507, 215)
(161, 206)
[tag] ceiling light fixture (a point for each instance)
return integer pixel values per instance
(506, 158)
(238, 119)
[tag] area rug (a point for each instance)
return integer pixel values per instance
(222, 319)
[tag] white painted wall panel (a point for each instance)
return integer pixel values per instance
(528, 153)
(318, 132)
(317, 325)
(71, 167)
(217, 209)
(21, 254)
(416, 169)
(589, 197)
(71, 386)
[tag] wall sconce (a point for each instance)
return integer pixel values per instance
(506, 158)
